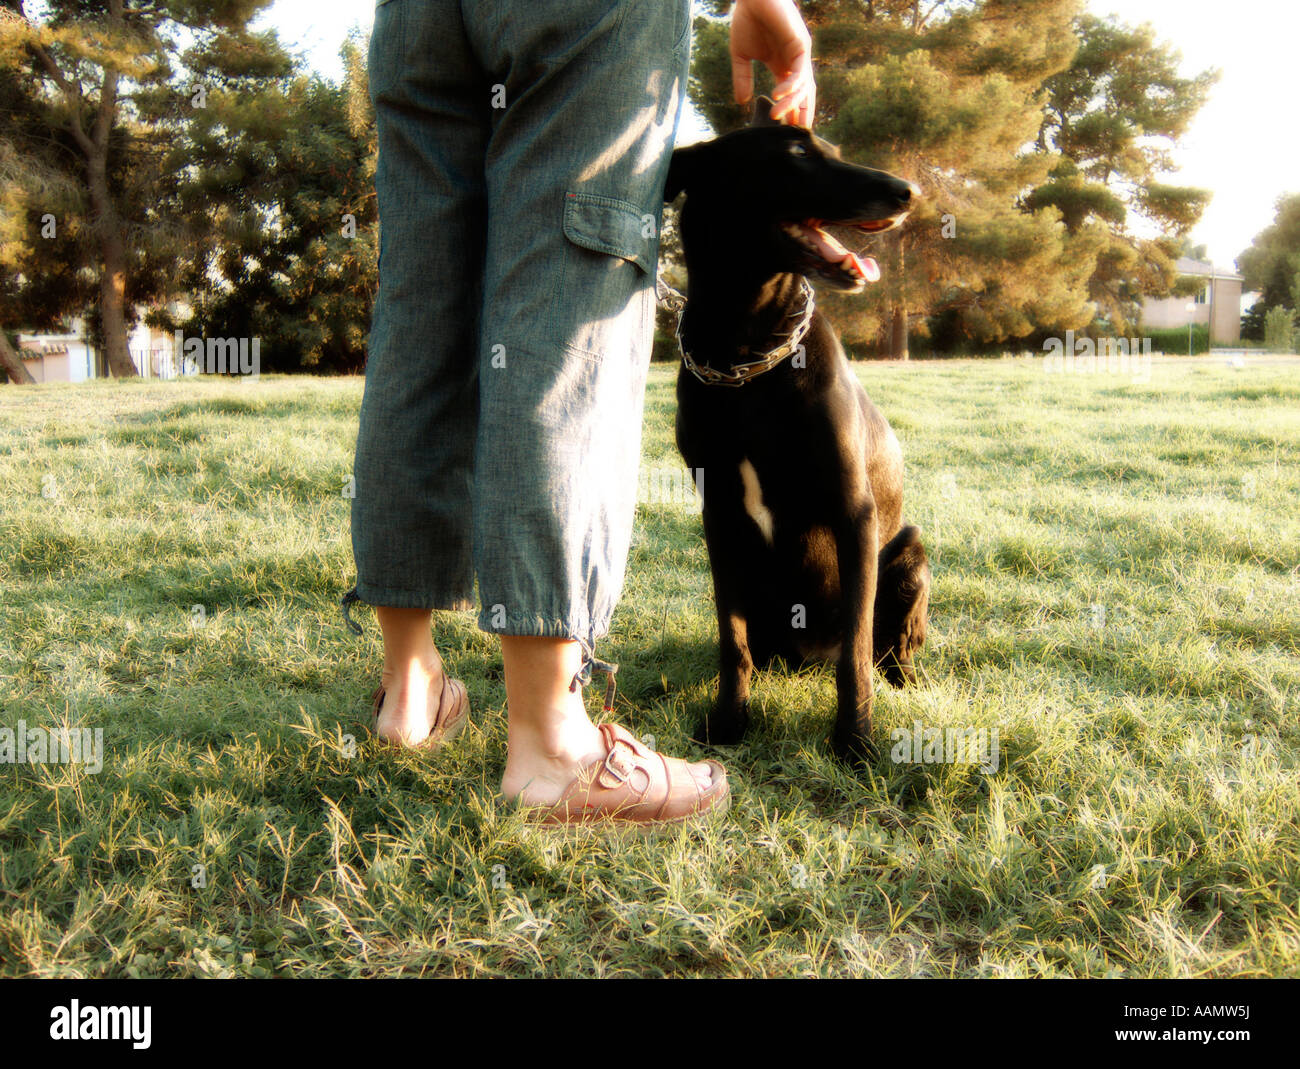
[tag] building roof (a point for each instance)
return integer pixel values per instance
(1187, 266)
(42, 345)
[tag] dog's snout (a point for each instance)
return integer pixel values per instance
(907, 192)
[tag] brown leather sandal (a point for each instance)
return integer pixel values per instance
(452, 714)
(633, 785)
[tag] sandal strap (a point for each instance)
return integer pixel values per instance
(631, 781)
(451, 700)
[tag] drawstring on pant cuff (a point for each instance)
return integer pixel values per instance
(348, 599)
(583, 676)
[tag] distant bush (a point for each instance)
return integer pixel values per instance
(665, 347)
(1173, 340)
(1252, 322)
(1280, 330)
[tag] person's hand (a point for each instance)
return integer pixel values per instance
(773, 32)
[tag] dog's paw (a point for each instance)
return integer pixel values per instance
(855, 750)
(899, 674)
(723, 727)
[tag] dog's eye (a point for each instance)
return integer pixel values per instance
(798, 148)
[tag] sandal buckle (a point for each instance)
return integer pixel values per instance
(619, 769)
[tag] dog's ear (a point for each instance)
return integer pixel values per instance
(762, 115)
(681, 171)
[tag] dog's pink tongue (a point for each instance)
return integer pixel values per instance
(832, 251)
(863, 266)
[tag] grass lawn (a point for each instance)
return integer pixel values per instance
(1115, 592)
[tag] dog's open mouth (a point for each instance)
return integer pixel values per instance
(830, 259)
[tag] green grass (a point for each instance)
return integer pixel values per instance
(1143, 820)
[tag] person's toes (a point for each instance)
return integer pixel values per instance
(703, 776)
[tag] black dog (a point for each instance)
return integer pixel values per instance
(802, 477)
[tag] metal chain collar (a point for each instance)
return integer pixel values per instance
(740, 373)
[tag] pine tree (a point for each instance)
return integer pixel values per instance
(1113, 115)
(42, 248)
(1272, 263)
(947, 95)
(31, 296)
(286, 172)
(112, 87)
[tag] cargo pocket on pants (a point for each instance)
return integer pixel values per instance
(602, 302)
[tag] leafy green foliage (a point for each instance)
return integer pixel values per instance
(1037, 134)
(282, 180)
(101, 94)
(1113, 115)
(1280, 330)
(1174, 340)
(1272, 263)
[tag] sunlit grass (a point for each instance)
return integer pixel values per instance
(1115, 591)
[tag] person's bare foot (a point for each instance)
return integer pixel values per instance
(551, 738)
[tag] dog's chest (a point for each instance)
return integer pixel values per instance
(755, 507)
(774, 495)
(764, 461)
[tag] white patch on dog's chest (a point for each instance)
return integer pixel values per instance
(758, 512)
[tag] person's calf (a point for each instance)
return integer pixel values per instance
(550, 739)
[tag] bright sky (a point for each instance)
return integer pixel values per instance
(1243, 145)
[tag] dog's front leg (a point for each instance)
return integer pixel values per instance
(856, 542)
(727, 720)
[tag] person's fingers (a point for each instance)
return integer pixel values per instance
(798, 113)
(774, 34)
(795, 102)
(796, 95)
(807, 111)
(742, 78)
(783, 89)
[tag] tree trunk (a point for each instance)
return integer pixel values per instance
(112, 241)
(108, 227)
(112, 279)
(12, 362)
(898, 326)
(898, 335)
(112, 307)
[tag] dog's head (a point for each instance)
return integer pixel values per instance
(764, 194)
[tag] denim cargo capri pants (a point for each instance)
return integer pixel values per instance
(523, 149)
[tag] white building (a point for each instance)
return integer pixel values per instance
(71, 357)
(58, 357)
(1218, 301)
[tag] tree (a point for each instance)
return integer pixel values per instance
(21, 232)
(111, 88)
(1272, 263)
(40, 284)
(944, 94)
(1112, 116)
(284, 173)
(1279, 330)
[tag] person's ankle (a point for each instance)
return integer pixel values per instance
(414, 674)
(540, 763)
(409, 701)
